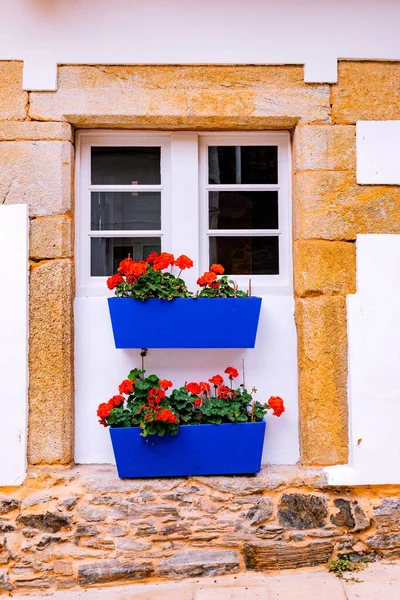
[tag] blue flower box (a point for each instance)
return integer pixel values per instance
(185, 322)
(227, 449)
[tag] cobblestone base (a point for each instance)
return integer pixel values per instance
(82, 526)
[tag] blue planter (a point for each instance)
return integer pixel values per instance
(228, 449)
(185, 322)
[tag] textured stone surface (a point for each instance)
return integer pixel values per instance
(14, 131)
(183, 96)
(13, 100)
(51, 237)
(4, 581)
(301, 511)
(322, 356)
(324, 267)
(199, 562)
(38, 174)
(112, 570)
(332, 206)
(48, 521)
(387, 515)
(8, 504)
(366, 90)
(283, 556)
(344, 518)
(386, 544)
(325, 148)
(51, 392)
(187, 528)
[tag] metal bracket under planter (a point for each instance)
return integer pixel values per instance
(227, 449)
(185, 322)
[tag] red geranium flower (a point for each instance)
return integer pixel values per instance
(216, 380)
(166, 416)
(163, 261)
(184, 262)
(156, 395)
(116, 400)
(104, 410)
(193, 388)
(124, 265)
(126, 387)
(218, 269)
(276, 403)
(215, 285)
(197, 402)
(153, 256)
(165, 383)
(135, 269)
(206, 279)
(231, 372)
(225, 392)
(204, 386)
(113, 281)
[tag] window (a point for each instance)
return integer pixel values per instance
(123, 202)
(221, 198)
(245, 206)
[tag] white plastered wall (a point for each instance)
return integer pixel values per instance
(374, 366)
(44, 33)
(13, 343)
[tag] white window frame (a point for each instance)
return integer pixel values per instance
(88, 285)
(184, 202)
(281, 282)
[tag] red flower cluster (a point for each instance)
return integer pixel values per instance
(106, 407)
(225, 392)
(165, 383)
(155, 396)
(276, 403)
(217, 269)
(126, 387)
(231, 372)
(207, 279)
(113, 281)
(161, 261)
(193, 388)
(216, 380)
(166, 416)
(183, 262)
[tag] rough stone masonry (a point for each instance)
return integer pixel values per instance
(83, 526)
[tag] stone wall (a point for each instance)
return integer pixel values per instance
(36, 165)
(69, 527)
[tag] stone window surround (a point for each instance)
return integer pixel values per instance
(324, 256)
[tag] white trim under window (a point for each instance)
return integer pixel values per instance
(184, 189)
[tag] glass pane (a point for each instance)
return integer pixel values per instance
(124, 165)
(246, 255)
(107, 253)
(243, 164)
(243, 210)
(125, 210)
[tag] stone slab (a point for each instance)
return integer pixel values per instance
(366, 90)
(51, 237)
(172, 96)
(38, 174)
(324, 147)
(13, 100)
(17, 131)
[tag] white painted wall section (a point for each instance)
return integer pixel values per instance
(13, 343)
(99, 368)
(374, 366)
(44, 33)
(378, 152)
